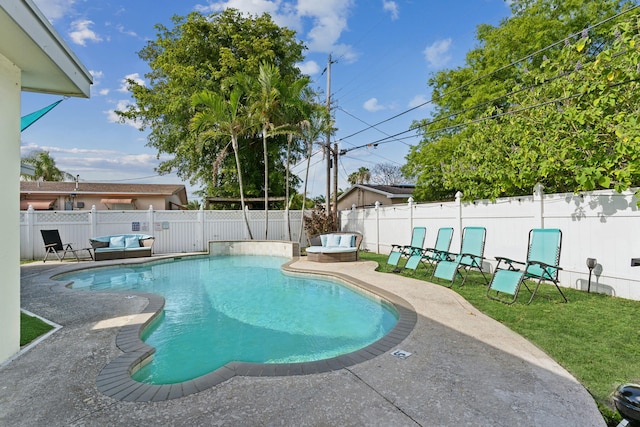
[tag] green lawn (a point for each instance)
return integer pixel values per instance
(31, 328)
(593, 336)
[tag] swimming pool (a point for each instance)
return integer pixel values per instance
(221, 309)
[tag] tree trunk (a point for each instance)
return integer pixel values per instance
(304, 193)
(234, 143)
(266, 183)
(286, 188)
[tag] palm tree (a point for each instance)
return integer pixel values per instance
(45, 167)
(312, 129)
(297, 108)
(361, 176)
(222, 116)
(266, 101)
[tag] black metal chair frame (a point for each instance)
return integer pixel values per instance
(53, 245)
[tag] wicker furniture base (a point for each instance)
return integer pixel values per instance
(333, 257)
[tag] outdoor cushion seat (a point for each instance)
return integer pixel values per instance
(335, 247)
(120, 246)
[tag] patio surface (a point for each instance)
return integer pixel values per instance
(464, 369)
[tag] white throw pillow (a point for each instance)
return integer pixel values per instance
(333, 240)
(116, 242)
(347, 241)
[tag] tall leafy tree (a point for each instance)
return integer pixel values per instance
(471, 142)
(205, 53)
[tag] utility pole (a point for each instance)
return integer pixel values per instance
(327, 146)
(335, 181)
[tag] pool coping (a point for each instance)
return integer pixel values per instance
(114, 380)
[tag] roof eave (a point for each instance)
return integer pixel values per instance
(46, 62)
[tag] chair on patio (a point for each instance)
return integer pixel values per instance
(470, 257)
(398, 251)
(433, 255)
(543, 257)
(53, 245)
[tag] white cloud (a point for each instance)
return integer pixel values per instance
(97, 81)
(328, 19)
(122, 30)
(81, 32)
(55, 9)
(418, 100)
(121, 105)
(103, 92)
(124, 83)
(437, 54)
(309, 68)
(372, 105)
(254, 7)
(392, 8)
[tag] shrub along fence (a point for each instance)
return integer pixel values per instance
(174, 231)
(604, 225)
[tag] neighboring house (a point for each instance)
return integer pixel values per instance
(33, 57)
(362, 195)
(46, 195)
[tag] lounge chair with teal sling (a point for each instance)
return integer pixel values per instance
(470, 257)
(543, 257)
(398, 251)
(431, 256)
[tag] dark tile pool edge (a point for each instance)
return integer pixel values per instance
(114, 380)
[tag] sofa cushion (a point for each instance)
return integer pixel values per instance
(116, 242)
(323, 239)
(333, 240)
(329, 250)
(347, 240)
(131, 242)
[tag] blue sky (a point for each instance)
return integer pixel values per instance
(385, 51)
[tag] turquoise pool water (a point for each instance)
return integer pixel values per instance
(242, 308)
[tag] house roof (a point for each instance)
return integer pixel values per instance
(105, 190)
(402, 191)
(46, 62)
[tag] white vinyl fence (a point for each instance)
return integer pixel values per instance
(604, 225)
(174, 231)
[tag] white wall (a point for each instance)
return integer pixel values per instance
(602, 224)
(10, 177)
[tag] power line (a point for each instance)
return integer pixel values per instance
(511, 64)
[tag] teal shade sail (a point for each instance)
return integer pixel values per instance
(29, 119)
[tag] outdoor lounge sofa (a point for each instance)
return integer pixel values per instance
(120, 246)
(340, 246)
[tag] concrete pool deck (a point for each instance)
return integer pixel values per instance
(464, 369)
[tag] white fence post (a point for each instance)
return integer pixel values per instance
(538, 200)
(93, 218)
(30, 231)
(410, 203)
(459, 212)
(377, 227)
(152, 225)
(202, 244)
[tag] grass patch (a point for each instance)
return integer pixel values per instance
(593, 336)
(31, 328)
